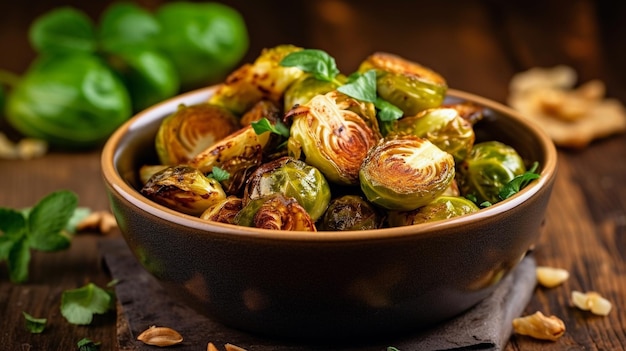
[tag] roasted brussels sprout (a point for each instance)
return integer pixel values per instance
(333, 138)
(444, 127)
(305, 88)
(264, 79)
(350, 212)
(190, 130)
(408, 85)
(405, 172)
(238, 154)
(470, 111)
(184, 189)
(224, 211)
(489, 167)
(443, 207)
(292, 178)
(262, 109)
(147, 171)
(275, 212)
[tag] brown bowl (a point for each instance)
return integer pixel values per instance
(328, 284)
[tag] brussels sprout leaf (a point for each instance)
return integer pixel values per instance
(79, 305)
(87, 345)
(34, 325)
(63, 30)
(264, 125)
(316, 62)
(519, 182)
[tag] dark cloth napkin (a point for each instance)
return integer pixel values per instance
(142, 302)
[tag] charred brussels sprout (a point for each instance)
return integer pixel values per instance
(489, 167)
(304, 89)
(408, 85)
(333, 138)
(444, 127)
(224, 211)
(443, 207)
(292, 178)
(264, 79)
(184, 189)
(350, 212)
(405, 172)
(275, 212)
(237, 154)
(262, 109)
(190, 130)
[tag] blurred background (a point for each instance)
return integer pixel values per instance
(476, 45)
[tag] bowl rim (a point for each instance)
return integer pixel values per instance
(117, 184)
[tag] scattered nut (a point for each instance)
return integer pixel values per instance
(24, 149)
(160, 336)
(550, 276)
(228, 347)
(102, 221)
(539, 326)
(572, 117)
(591, 301)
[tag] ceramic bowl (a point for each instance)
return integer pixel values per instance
(327, 284)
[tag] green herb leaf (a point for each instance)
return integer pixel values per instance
(387, 111)
(264, 125)
(34, 325)
(12, 228)
(63, 30)
(87, 345)
(518, 183)
(79, 305)
(18, 260)
(316, 62)
(48, 218)
(361, 87)
(219, 174)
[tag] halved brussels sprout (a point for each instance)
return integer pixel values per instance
(444, 127)
(264, 79)
(408, 85)
(275, 212)
(223, 211)
(238, 154)
(489, 167)
(191, 129)
(305, 88)
(470, 111)
(184, 189)
(405, 172)
(443, 207)
(262, 109)
(333, 138)
(350, 212)
(292, 178)
(147, 171)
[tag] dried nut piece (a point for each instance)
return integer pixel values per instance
(160, 336)
(539, 326)
(102, 221)
(591, 301)
(550, 276)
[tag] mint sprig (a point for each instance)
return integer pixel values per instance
(43, 227)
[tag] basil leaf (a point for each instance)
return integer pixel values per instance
(63, 30)
(34, 325)
(363, 87)
(518, 183)
(219, 174)
(79, 305)
(316, 62)
(48, 218)
(387, 111)
(264, 125)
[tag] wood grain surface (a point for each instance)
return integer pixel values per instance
(477, 45)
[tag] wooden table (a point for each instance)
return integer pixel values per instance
(476, 45)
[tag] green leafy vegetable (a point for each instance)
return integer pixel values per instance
(519, 182)
(40, 228)
(264, 125)
(362, 87)
(219, 174)
(87, 345)
(34, 325)
(79, 305)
